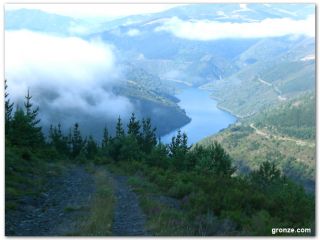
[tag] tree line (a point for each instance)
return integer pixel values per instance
(138, 141)
(203, 176)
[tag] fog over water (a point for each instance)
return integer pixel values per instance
(68, 77)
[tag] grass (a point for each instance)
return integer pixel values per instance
(27, 177)
(99, 220)
(162, 220)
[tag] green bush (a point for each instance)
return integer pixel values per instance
(181, 189)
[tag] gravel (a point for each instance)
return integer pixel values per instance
(55, 211)
(129, 220)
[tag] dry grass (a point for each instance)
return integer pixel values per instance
(99, 221)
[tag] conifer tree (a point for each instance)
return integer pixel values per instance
(134, 127)
(70, 141)
(119, 129)
(20, 134)
(8, 110)
(267, 174)
(35, 133)
(117, 142)
(149, 138)
(178, 150)
(91, 148)
(175, 144)
(77, 141)
(106, 138)
(31, 113)
(24, 126)
(184, 142)
(57, 139)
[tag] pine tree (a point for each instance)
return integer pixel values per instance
(35, 134)
(117, 142)
(77, 141)
(70, 141)
(149, 138)
(31, 113)
(178, 150)
(24, 127)
(21, 130)
(91, 148)
(106, 138)
(57, 140)
(267, 174)
(134, 127)
(222, 162)
(175, 144)
(119, 129)
(8, 110)
(184, 142)
(178, 138)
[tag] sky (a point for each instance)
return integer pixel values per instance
(95, 10)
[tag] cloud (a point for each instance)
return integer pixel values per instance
(205, 30)
(79, 29)
(243, 8)
(67, 76)
(133, 32)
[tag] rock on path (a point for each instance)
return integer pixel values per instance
(129, 219)
(55, 211)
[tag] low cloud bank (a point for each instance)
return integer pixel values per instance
(70, 78)
(205, 30)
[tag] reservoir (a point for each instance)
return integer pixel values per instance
(206, 117)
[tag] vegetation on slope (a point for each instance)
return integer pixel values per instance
(285, 135)
(294, 119)
(278, 69)
(152, 97)
(214, 200)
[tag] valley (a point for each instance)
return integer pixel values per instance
(206, 118)
(163, 120)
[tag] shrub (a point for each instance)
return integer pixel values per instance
(181, 189)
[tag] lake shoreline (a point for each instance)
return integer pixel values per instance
(207, 118)
(239, 117)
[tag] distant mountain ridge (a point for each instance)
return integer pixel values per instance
(277, 74)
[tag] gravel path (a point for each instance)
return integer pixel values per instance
(55, 211)
(129, 219)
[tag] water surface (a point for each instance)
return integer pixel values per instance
(206, 118)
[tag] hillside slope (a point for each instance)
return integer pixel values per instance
(284, 135)
(270, 72)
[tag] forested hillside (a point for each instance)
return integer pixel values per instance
(284, 134)
(295, 119)
(214, 200)
(267, 76)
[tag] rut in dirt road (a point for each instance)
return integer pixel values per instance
(55, 211)
(129, 220)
